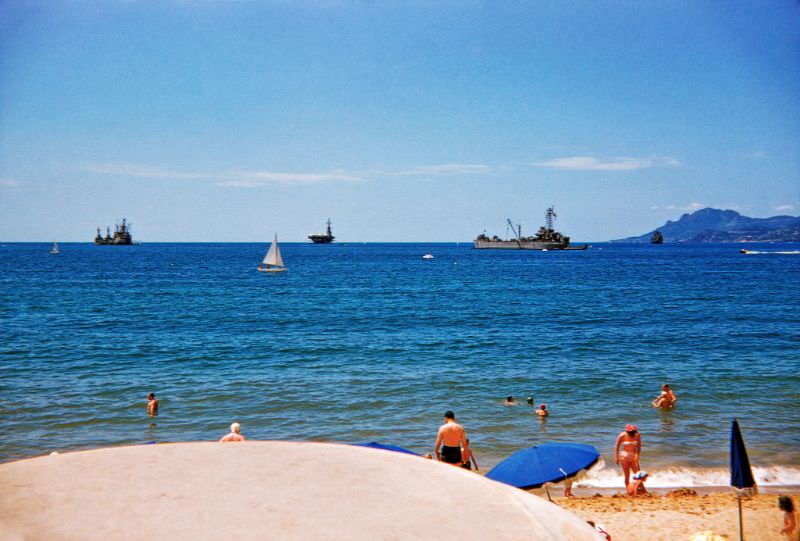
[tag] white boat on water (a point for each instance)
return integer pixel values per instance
(54, 250)
(273, 262)
(427, 256)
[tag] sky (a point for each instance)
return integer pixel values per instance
(229, 121)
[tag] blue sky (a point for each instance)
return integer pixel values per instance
(406, 121)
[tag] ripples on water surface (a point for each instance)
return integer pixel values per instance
(370, 342)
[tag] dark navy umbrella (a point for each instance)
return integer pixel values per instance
(547, 463)
(395, 448)
(741, 474)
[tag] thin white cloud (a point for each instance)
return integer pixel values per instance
(446, 169)
(254, 179)
(783, 208)
(589, 163)
(689, 207)
(10, 182)
(140, 171)
(758, 154)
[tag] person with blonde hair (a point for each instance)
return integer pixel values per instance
(235, 434)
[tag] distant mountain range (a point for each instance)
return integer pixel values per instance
(714, 225)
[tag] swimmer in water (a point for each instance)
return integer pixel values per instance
(530, 401)
(235, 434)
(510, 401)
(666, 399)
(542, 411)
(152, 405)
(627, 449)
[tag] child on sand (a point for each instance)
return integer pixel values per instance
(790, 528)
(467, 458)
(636, 486)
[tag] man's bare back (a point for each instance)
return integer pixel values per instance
(451, 434)
(449, 440)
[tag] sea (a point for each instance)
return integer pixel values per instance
(370, 342)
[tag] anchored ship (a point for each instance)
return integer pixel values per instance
(547, 238)
(121, 237)
(657, 238)
(323, 238)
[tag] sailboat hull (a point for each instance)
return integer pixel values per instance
(272, 269)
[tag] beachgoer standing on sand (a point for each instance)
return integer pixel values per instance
(790, 527)
(666, 399)
(451, 437)
(542, 411)
(467, 458)
(627, 450)
(235, 434)
(152, 405)
(636, 486)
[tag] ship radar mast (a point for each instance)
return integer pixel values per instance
(548, 217)
(330, 234)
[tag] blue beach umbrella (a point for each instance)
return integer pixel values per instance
(547, 463)
(741, 473)
(395, 448)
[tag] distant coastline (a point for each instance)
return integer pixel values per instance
(714, 225)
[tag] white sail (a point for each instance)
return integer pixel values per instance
(273, 256)
(54, 249)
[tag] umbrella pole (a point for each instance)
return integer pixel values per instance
(547, 491)
(741, 525)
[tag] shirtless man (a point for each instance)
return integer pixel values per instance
(152, 405)
(235, 435)
(451, 437)
(666, 399)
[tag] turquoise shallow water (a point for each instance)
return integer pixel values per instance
(370, 342)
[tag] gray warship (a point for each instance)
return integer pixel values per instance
(122, 235)
(323, 238)
(547, 238)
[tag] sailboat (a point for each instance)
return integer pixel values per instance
(54, 249)
(273, 262)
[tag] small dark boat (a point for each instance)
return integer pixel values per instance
(657, 238)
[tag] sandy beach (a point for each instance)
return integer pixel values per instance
(681, 514)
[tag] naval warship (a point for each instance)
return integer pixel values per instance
(323, 238)
(547, 238)
(122, 235)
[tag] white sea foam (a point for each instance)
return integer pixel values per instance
(606, 477)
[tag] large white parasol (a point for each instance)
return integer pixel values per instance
(267, 490)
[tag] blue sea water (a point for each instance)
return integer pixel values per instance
(363, 342)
